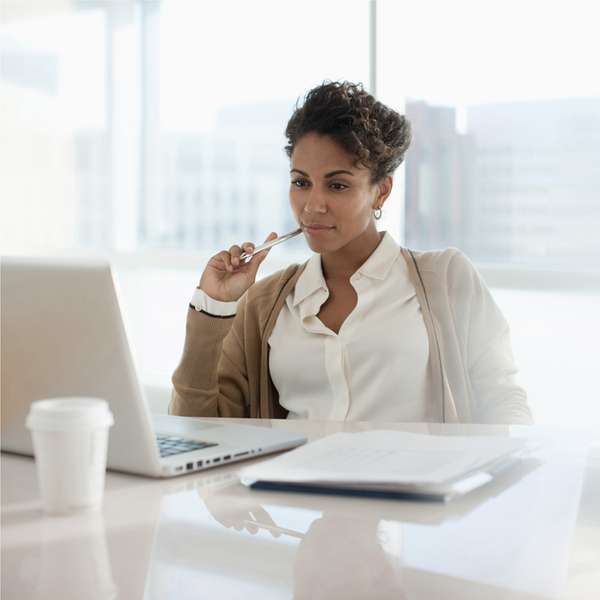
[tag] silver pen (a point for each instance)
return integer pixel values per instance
(246, 256)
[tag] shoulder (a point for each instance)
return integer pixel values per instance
(449, 271)
(452, 261)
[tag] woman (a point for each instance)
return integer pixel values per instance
(365, 329)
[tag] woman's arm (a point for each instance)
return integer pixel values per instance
(497, 397)
(210, 380)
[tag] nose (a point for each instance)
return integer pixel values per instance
(315, 203)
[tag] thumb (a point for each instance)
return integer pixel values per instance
(260, 256)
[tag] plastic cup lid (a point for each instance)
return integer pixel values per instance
(69, 414)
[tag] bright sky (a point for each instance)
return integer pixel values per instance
(219, 53)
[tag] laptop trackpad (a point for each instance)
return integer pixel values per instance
(173, 425)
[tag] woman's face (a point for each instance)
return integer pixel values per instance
(332, 199)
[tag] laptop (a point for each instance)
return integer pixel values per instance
(62, 334)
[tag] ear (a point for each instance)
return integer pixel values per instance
(384, 189)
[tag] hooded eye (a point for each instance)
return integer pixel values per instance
(299, 183)
(336, 186)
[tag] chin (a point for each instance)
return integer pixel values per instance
(314, 245)
(321, 247)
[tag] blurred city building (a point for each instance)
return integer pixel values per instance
(522, 185)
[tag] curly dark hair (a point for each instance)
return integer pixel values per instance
(376, 135)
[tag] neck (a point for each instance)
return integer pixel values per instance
(343, 263)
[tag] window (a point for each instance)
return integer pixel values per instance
(153, 132)
(53, 93)
(505, 161)
(505, 164)
(152, 107)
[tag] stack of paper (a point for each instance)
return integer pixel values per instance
(388, 462)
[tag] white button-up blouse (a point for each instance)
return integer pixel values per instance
(367, 371)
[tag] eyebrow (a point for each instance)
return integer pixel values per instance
(331, 174)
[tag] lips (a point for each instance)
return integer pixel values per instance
(316, 226)
(317, 231)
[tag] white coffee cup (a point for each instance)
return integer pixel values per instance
(70, 442)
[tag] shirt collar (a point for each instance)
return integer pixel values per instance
(377, 266)
(310, 280)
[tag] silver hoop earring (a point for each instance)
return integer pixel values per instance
(377, 213)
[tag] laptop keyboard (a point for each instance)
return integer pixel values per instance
(169, 445)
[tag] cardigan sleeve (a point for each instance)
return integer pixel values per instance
(497, 397)
(211, 378)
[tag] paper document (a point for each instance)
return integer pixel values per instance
(390, 460)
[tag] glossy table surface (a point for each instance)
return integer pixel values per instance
(534, 532)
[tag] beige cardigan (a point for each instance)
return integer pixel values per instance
(224, 370)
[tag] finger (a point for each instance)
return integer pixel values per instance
(226, 522)
(257, 259)
(223, 260)
(235, 252)
(260, 514)
(263, 253)
(248, 247)
(251, 528)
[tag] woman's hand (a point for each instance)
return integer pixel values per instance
(252, 518)
(226, 277)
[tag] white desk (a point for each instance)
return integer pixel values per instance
(532, 533)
